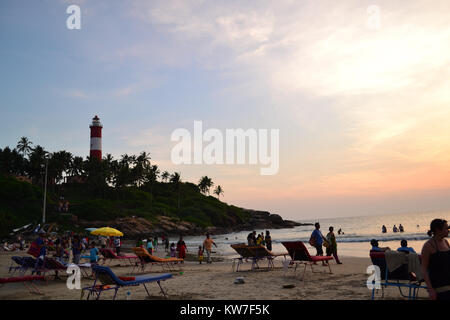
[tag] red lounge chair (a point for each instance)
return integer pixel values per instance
(300, 255)
(108, 254)
(26, 280)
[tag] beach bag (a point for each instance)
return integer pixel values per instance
(326, 244)
(312, 241)
(34, 249)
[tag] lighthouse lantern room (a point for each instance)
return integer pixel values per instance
(96, 138)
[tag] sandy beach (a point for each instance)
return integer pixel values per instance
(216, 281)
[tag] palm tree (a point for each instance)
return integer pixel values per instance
(76, 166)
(12, 162)
(60, 163)
(205, 184)
(110, 165)
(218, 191)
(37, 164)
(24, 146)
(165, 175)
(176, 180)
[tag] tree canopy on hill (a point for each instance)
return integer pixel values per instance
(103, 190)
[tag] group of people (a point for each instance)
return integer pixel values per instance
(260, 239)
(70, 248)
(435, 259)
(394, 228)
(317, 240)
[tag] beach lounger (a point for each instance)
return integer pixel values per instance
(21, 265)
(400, 277)
(108, 254)
(145, 259)
(106, 280)
(255, 253)
(300, 255)
(26, 280)
(52, 264)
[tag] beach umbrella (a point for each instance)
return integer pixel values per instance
(90, 229)
(107, 231)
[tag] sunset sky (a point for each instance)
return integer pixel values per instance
(363, 111)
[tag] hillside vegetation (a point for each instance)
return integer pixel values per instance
(21, 203)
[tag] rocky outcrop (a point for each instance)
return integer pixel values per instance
(266, 220)
(136, 227)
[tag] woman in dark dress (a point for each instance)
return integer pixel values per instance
(436, 261)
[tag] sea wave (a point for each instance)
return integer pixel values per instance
(367, 238)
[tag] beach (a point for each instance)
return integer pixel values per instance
(216, 282)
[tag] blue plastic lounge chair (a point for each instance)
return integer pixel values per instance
(399, 277)
(23, 264)
(105, 280)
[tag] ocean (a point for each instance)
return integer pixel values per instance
(355, 242)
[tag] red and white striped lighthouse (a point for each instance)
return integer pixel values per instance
(96, 138)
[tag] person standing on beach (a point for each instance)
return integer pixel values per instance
(76, 249)
(41, 249)
(207, 246)
(436, 261)
(117, 245)
(268, 240)
(155, 243)
(181, 248)
(317, 240)
(166, 243)
(103, 242)
(332, 248)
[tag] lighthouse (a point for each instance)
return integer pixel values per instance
(96, 138)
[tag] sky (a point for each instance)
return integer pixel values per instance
(358, 90)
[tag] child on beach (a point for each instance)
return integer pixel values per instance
(150, 245)
(173, 250)
(200, 254)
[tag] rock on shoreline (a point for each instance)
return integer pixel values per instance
(136, 227)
